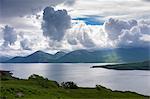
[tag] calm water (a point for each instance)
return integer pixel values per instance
(83, 75)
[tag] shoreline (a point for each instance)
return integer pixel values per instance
(145, 65)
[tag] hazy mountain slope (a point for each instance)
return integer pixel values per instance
(85, 56)
(4, 58)
(36, 57)
(111, 55)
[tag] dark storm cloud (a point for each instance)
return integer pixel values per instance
(55, 23)
(10, 35)
(12, 8)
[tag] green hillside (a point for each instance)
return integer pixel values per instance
(37, 87)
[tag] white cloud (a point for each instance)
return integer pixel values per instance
(114, 27)
(9, 35)
(127, 33)
(145, 38)
(119, 31)
(124, 9)
(32, 42)
(25, 44)
(82, 36)
(55, 23)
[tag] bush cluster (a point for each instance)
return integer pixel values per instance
(69, 85)
(41, 80)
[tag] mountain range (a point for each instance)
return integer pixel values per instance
(86, 56)
(4, 58)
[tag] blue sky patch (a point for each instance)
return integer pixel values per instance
(90, 20)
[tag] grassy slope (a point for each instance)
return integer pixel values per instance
(129, 66)
(32, 90)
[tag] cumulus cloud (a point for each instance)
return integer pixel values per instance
(72, 41)
(127, 33)
(9, 35)
(85, 36)
(25, 44)
(86, 41)
(86, 32)
(55, 23)
(113, 27)
(114, 33)
(32, 42)
(130, 38)
(119, 33)
(82, 38)
(144, 26)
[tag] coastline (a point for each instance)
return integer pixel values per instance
(145, 65)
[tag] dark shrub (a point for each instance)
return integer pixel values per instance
(69, 85)
(3, 97)
(56, 83)
(41, 80)
(98, 87)
(6, 75)
(36, 77)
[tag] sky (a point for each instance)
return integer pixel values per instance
(66, 25)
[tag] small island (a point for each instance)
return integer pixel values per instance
(145, 65)
(38, 87)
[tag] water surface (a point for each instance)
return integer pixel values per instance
(83, 75)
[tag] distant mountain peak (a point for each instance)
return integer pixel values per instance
(39, 52)
(60, 52)
(85, 56)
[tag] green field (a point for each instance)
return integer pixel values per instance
(42, 88)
